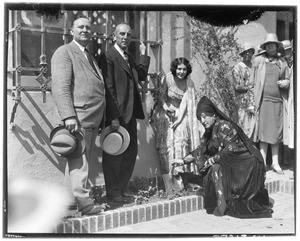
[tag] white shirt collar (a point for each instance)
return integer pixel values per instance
(121, 51)
(79, 45)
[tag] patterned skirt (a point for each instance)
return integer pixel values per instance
(172, 145)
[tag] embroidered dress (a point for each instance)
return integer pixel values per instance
(234, 185)
(244, 98)
(175, 144)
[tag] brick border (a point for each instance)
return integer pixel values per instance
(150, 211)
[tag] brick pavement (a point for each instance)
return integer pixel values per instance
(200, 223)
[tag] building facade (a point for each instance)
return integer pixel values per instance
(32, 39)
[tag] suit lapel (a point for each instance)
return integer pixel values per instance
(99, 72)
(82, 58)
(122, 61)
(132, 72)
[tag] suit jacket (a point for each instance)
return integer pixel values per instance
(122, 96)
(78, 91)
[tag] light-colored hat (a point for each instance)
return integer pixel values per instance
(114, 142)
(287, 44)
(66, 144)
(246, 47)
(271, 38)
(260, 51)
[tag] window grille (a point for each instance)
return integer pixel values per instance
(34, 38)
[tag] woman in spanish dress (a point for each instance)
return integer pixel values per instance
(234, 171)
(176, 124)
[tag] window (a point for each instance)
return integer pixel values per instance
(285, 25)
(34, 38)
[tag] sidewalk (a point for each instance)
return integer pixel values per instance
(201, 224)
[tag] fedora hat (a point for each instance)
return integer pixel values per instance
(246, 47)
(66, 144)
(287, 44)
(114, 142)
(271, 38)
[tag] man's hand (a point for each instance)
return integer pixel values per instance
(142, 48)
(71, 124)
(115, 124)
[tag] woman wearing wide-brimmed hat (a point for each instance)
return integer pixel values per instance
(271, 79)
(244, 89)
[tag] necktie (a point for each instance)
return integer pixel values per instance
(126, 57)
(90, 59)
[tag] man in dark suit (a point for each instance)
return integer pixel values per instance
(79, 95)
(124, 106)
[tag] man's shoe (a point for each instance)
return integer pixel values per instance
(120, 199)
(92, 209)
(125, 194)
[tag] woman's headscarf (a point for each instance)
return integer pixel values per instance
(205, 105)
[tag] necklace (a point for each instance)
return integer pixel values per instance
(181, 84)
(272, 58)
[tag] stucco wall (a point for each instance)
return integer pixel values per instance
(28, 151)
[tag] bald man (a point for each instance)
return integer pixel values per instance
(123, 107)
(78, 92)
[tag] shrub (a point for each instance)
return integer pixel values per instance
(218, 49)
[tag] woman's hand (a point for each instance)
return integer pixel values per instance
(209, 162)
(170, 112)
(283, 83)
(188, 159)
(168, 109)
(176, 115)
(178, 120)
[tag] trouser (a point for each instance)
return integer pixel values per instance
(118, 169)
(79, 170)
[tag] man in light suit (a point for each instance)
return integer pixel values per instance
(79, 95)
(124, 106)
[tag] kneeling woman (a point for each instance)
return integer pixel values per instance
(235, 172)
